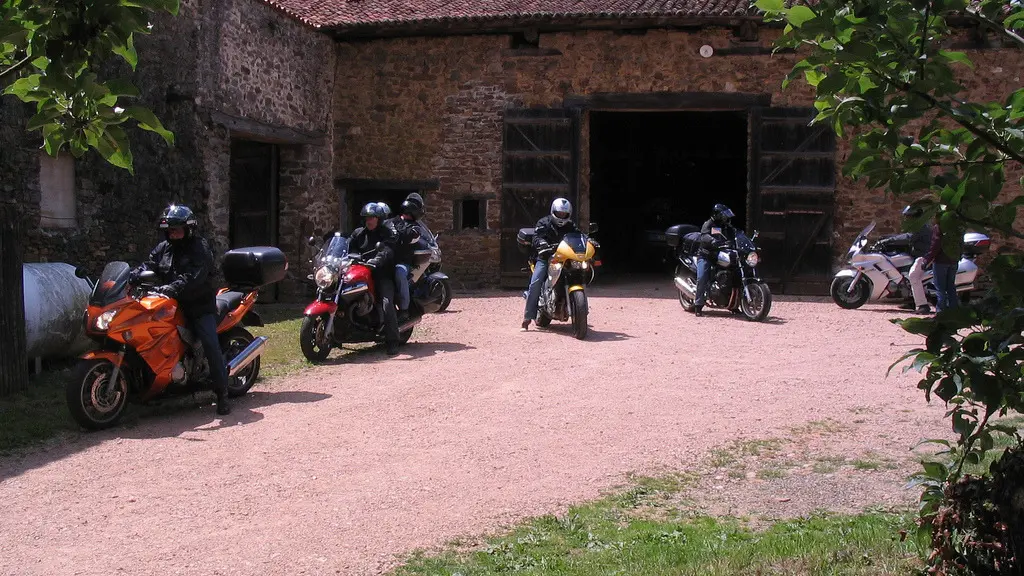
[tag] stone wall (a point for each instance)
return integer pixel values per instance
(239, 57)
(418, 108)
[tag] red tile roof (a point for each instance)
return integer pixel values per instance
(343, 14)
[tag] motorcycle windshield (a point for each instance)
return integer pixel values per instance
(112, 285)
(744, 243)
(333, 252)
(576, 241)
(860, 241)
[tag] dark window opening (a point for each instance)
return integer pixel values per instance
(651, 170)
(527, 39)
(469, 213)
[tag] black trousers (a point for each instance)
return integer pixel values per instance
(205, 328)
(384, 282)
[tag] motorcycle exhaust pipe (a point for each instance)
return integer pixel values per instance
(246, 357)
(684, 287)
(409, 324)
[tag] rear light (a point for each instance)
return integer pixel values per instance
(984, 243)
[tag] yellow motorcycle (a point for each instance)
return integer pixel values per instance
(571, 267)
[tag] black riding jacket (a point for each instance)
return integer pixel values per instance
(186, 266)
(406, 233)
(708, 241)
(364, 240)
(548, 234)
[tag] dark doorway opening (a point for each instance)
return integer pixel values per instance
(253, 198)
(651, 170)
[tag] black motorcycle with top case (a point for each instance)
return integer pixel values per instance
(734, 284)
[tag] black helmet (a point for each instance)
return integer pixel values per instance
(373, 209)
(178, 216)
(912, 212)
(415, 197)
(721, 214)
(412, 208)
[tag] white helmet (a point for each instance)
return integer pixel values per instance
(561, 210)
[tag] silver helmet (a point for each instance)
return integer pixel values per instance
(561, 210)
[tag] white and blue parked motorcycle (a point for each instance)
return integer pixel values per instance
(878, 272)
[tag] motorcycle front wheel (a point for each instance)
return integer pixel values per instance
(312, 339)
(845, 298)
(446, 295)
(92, 403)
(578, 299)
(756, 307)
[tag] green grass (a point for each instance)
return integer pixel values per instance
(282, 355)
(40, 413)
(607, 537)
(37, 414)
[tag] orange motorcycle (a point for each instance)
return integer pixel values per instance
(146, 349)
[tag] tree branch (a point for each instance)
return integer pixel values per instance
(973, 439)
(1009, 232)
(998, 27)
(16, 66)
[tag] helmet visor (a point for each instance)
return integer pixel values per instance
(561, 215)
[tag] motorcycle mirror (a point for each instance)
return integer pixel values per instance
(80, 272)
(311, 241)
(593, 227)
(754, 237)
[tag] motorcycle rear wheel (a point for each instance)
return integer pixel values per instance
(91, 406)
(578, 300)
(850, 301)
(232, 343)
(311, 337)
(403, 337)
(757, 310)
(684, 301)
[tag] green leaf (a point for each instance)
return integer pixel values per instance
(23, 86)
(957, 57)
(798, 15)
(865, 83)
(148, 121)
(127, 51)
(935, 470)
(116, 143)
(770, 5)
(121, 87)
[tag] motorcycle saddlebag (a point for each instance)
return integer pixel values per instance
(674, 235)
(524, 239)
(253, 267)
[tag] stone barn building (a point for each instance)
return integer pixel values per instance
(291, 114)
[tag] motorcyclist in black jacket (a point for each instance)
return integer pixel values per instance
(379, 239)
(407, 231)
(917, 243)
(184, 263)
(717, 231)
(547, 234)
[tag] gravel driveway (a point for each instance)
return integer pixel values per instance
(344, 468)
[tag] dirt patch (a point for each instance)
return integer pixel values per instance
(345, 468)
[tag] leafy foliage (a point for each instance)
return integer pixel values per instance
(50, 52)
(883, 70)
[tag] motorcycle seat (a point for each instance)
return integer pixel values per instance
(227, 302)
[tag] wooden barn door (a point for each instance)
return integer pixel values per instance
(794, 200)
(540, 163)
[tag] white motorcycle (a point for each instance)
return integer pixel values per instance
(877, 272)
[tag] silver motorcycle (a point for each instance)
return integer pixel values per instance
(877, 272)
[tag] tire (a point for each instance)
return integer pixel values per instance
(403, 337)
(86, 406)
(686, 303)
(311, 327)
(446, 295)
(232, 343)
(762, 294)
(578, 299)
(543, 320)
(860, 294)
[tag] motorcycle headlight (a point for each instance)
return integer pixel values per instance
(579, 264)
(103, 320)
(753, 259)
(326, 276)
